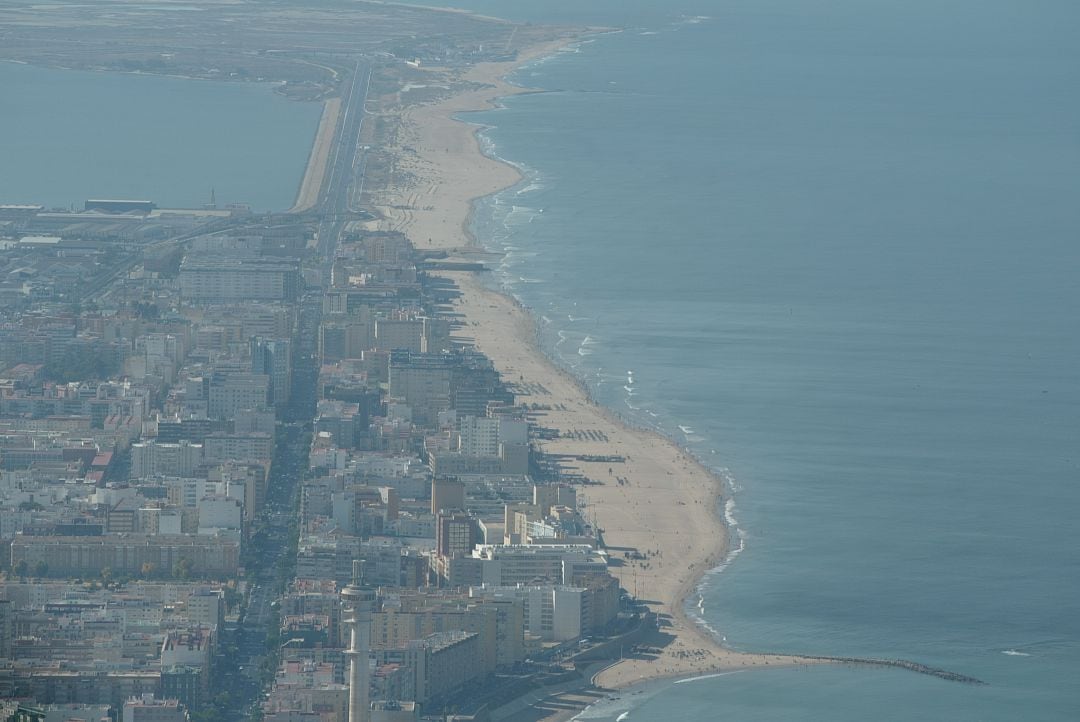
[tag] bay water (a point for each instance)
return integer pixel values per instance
(66, 136)
(831, 248)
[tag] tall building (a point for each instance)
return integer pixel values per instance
(272, 357)
(358, 601)
(446, 494)
(430, 383)
(408, 334)
(7, 627)
(456, 533)
(423, 382)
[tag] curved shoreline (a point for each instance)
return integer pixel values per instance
(620, 674)
(667, 506)
(450, 174)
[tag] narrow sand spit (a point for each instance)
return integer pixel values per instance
(310, 187)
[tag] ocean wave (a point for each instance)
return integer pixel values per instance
(714, 675)
(530, 188)
(520, 216)
(729, 513)
(1015, 653)
(489, 148)
(691, 20)
(738, 538)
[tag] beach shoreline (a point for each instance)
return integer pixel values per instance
(662, 507)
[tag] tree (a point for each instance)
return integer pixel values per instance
(232, 597)
(106, 576)
(41, 569)
(20, 568)
(148, 569)
(81, 364)
(182, 568)
(149, 310)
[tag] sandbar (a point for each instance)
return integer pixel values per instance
(315, 171)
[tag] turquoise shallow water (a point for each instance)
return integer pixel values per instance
(830, 248)
(68, 136)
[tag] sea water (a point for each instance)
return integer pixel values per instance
(66, 136)
(831, 248)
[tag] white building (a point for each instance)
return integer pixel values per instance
(513, 564)
(553, 612)
(149, 458)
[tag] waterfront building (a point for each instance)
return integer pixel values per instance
(511, 564)
(431, 383)
(392, 334)
(439, 664)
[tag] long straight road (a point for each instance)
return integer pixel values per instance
(274, 540)
(346, 169)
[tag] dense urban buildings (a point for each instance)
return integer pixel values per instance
(154, 462)
(247, 470)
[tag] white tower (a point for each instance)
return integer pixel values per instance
(358, 602)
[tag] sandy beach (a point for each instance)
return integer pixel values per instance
(660, 502)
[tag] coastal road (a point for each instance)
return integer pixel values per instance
(346, 170)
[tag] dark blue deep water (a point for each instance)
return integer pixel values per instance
(831, 247)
